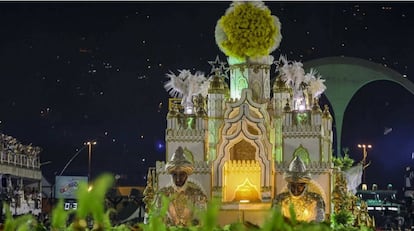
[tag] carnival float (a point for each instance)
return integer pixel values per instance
(243, 131)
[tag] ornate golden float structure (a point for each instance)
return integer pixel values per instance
(242, 135)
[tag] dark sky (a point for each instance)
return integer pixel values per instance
(78, 71)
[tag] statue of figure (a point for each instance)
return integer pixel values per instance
(308, 206)
(363, 218)
(148, 191)
(341, 198)
(185, 195)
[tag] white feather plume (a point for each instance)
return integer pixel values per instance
(285, 71)
(298, 75)
(294, 76)
(187, 85)
(176, 86)
(316, 85)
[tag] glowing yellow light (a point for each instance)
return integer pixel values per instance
(242, 185)
(364, 187)
(305, 213)
(246, 192)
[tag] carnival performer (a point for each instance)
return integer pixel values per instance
(308, 206)
(185, 196)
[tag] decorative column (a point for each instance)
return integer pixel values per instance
(216, 103)
(254, 74)
(281, 95)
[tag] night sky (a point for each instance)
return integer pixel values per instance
(72, 72)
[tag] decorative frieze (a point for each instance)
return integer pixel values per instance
(185, 135)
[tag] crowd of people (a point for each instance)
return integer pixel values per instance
(21, 199)
(10, 145)
(12, 151)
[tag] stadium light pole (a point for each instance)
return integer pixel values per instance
(89, 144)
(364, 158)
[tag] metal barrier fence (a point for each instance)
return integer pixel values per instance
(20, 160)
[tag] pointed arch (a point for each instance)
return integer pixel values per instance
(302, 153)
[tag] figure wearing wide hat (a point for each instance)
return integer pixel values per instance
(185, 196)
(308, 206)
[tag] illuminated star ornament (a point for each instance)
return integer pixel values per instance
(218, 67)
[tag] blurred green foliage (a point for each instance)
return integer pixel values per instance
(345, 162)
(91, 206)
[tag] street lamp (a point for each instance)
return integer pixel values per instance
(89, 144)
(364, 158)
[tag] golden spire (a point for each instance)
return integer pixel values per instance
(316, 107)
(216, 85)
(174, 111)
(326, 113)
(279, 85)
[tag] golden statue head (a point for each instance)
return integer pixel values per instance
(178, 162)
(297, 172)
